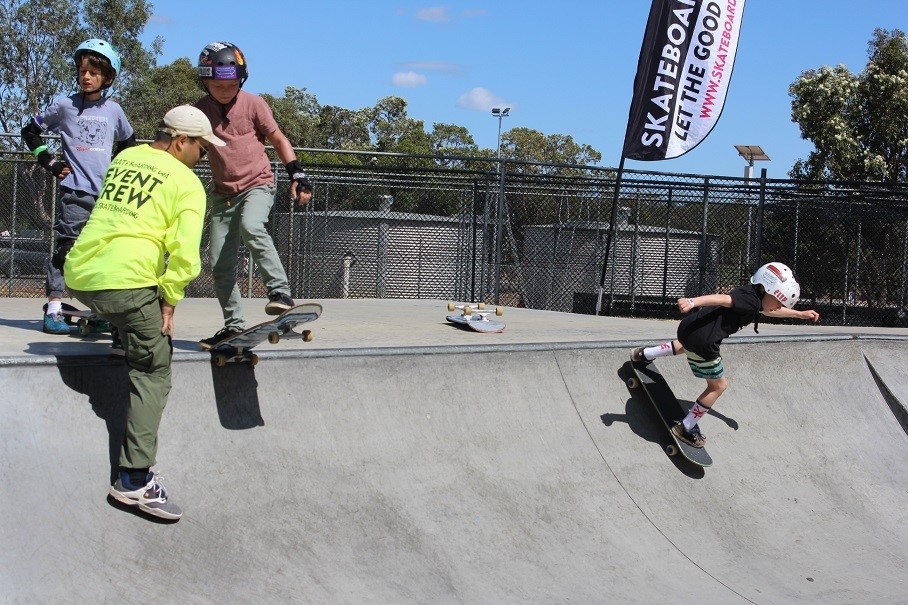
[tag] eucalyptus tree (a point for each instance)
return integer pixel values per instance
(856, 122)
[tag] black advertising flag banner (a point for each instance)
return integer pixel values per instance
(682, 77)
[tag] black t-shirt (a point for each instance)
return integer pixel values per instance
(703, 330)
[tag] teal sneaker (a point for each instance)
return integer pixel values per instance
(55, 324)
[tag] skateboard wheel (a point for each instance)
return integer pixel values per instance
(274, 337)
(467, 310)
(451, 306)
(84, 327)
(480, 305)
(632, 382)
(671, 450)
(499, 311)
(307, 336)
(220, 361)
(253, 359)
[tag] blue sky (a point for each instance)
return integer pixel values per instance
(563, 67)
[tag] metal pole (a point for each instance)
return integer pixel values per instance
(499, 226)
(703, 236)
(610, 235)
(760, 208)
(668, 226)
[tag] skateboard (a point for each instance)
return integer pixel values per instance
(87, 322)
(669, 408)
(238, 347)
(476, 317)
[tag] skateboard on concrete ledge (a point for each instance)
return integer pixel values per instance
(87, 322)
(669, 408)
(239, 347)
(476, 317)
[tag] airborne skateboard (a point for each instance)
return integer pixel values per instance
(87, 322)
(669, 408)
(476, 317)
(238, 347)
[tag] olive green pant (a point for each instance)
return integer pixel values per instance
(137, 315)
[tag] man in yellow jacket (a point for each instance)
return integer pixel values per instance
(151, 204)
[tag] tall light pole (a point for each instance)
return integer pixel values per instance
(500, 114)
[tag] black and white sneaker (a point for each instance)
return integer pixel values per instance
(637, 356)
(222, 334)
(692, 437)
(278, 303)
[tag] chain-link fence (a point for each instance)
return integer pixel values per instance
(534, 235)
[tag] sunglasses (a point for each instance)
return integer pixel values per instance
(203, 149)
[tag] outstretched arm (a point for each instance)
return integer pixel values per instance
(709, 300)
(785, 312)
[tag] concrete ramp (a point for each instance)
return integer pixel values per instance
(522, 474)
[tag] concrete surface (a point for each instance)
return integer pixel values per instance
(400, 459)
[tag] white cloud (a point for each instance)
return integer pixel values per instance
(408, 79)
(441, 67)
(481, 99)
(436, 14)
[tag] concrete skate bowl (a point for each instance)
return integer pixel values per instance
(524, 474)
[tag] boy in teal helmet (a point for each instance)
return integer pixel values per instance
(92, 129)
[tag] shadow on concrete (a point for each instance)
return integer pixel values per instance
(236, 396)
(644, 421)
(106, 383)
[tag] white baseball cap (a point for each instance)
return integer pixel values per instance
(189, 120)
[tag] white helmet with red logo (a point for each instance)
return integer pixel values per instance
(779, 281)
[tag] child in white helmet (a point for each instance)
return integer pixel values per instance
(773, 291)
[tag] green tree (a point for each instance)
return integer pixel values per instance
(37, 41)
(340, 128)
(857, 123)
(530, 145)
(149, 97)
(392, 129)
(297, 113)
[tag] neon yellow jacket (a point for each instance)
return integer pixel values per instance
(150, 204)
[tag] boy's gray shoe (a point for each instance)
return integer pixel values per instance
(278, 303)
(151, 498)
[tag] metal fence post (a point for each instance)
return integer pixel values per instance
(499, 227)
(668, 228)
(703, 237)
(761, 206)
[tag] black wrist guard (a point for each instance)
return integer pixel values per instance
(296, 173)
(48, 161)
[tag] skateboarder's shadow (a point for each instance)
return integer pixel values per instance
(624, 372)
(644, 421)
(106, 383)
(236, 396)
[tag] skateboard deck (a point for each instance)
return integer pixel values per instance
(87, 322)
(669, 408)
(238, 347)
(476, 317)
